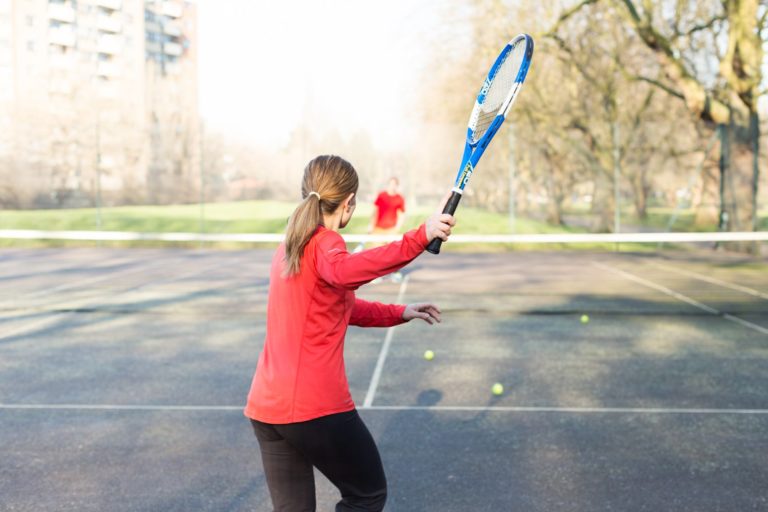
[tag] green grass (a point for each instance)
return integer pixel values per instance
(658, 218)
(236, 217)
(233, 217)
(243, 217)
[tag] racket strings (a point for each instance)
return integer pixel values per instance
(502, 83)
(484, 120)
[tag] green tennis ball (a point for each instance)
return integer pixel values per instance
(584, 319)
(429, 355)
(497, 389)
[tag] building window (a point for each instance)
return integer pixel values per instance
(31, 46)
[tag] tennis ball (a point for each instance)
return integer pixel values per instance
(497, 389)
(429, 355)
(584, 319)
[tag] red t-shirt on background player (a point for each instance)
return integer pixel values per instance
(388, 205)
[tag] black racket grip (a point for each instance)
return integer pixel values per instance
(450, 207)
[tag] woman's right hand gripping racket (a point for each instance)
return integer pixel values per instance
(497, 94)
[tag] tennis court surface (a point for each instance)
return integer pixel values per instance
(123, 374)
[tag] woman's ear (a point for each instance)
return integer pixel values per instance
(349, 202)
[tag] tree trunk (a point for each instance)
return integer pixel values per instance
(555, 200)
(739, 176)
(602, 204)
(706, 210)
(640, 189)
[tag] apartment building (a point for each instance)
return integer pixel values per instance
(98, 100)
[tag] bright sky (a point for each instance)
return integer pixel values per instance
(350, 63)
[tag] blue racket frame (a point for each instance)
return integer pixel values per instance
(474, 150)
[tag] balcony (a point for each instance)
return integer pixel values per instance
(110, 4)
(64, 13)
(110, 44)
(173, 49)
(108, 69)
(173, 9)
(62, 36)
(172, 29)
(109, 24)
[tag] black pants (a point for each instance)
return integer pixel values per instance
(338, 445)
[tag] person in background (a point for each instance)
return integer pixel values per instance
(388, 215)
(388, 210)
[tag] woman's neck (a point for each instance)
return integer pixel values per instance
(332, 221)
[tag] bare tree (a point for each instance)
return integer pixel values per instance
(582, 121)
(710, 55)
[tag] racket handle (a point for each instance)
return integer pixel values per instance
(450, 207)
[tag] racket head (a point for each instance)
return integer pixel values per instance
(500, 87)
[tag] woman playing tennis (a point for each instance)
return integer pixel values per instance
(299, 403)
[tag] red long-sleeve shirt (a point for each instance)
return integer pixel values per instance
(300, 374)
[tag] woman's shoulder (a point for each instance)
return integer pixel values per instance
(325, 235)
(326, 242)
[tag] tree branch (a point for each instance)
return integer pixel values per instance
(648, 10)
(565, 15)
(678, 16)
(695, 94)
(663, 87)
(632, 10)
(639, 114)
(703, 26)
(761, 23)
(742, 64)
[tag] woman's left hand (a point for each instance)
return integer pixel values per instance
(427, 311)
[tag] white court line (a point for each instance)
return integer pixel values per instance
(712, 280)
(115, 407)
(566, 410)
(681, 297)
(402, 408)
(745, 323)
(384, 350)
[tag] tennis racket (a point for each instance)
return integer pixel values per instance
(499, 90)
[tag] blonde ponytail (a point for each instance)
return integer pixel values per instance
(327, 181)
